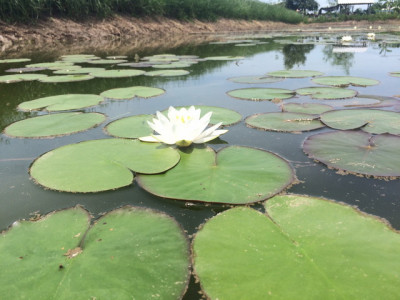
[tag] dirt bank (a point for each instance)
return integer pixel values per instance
(63, 30)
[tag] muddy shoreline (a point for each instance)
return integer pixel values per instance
(55, 32)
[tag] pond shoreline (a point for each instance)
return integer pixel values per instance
(60, 31)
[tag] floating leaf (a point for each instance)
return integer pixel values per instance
(236, 175)
(116, 73)
(131, 127)
(327, 92)
(132, 92)
(245, 45)
(345, 81)
(369, 120)
(260, 94)
(165, 73)
(255, 79)
(138, 64)
(100, 165)
(295, 73)
(284, 121)
(51, 64)
(356, 152)
(14, 60)
(219, 114)
(307, 108)
(302, 248)
(106, 61)
(21, 77)
(78, 71)
(224, 57)
(66, 78)
(130, 253)
(172, 65)
(61, 102)
(24, 70)
(395, 74)
(54, 125)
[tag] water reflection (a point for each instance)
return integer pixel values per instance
(295, 55)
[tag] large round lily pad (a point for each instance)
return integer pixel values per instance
(302, 248)
(77, 71)
(356, 152)
(260, 94)
(345, 81)
(66, 78)
(100, 165)
(132, 92)
(61, 102)
(224, 57)
(13, 60)
(166, 73)
(116, 73)
(54, 125)
(284, 121)
(395, 74)
(21, 77)
(219, 114)
(295, 73)
(130, 127)
(106, 61)
(235, 175)
(369, 120)
(129, 253)
(327, 92)
(255, 79)
(307, 108)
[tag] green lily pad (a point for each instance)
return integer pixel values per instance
(245, 45)
(219, 114)
(129, 253)
(14, 60)
(50, 64)
(295, 73)
(66, 78)
(260, 94)
(106, 61)
(327, 92)
(116, 73)
(284, 121)
(78, 71)
(356, 152)
(172, 65)
(395, 74)
(61, 102)
(131, 127)
(345, 81)
(21, 77)
(369, 120)
(24, 70)
(54, 125)
(302, 248)
(255, 79)
(132, 92)
(307, 108)
(235, 175)
(224, 57)
(100, 165)
(165, 73)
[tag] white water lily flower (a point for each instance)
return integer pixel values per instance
(371, 36)
(183, 127)
(347, 38)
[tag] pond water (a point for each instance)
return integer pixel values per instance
(206, 84)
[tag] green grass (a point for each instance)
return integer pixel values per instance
(30, 10)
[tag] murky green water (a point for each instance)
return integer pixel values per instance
(206, 84)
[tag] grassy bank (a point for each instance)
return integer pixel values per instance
(356, 17)
(31, 10)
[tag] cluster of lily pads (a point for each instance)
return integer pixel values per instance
(68, 68)
(140, 253)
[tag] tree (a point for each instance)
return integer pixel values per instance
(302, 5)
